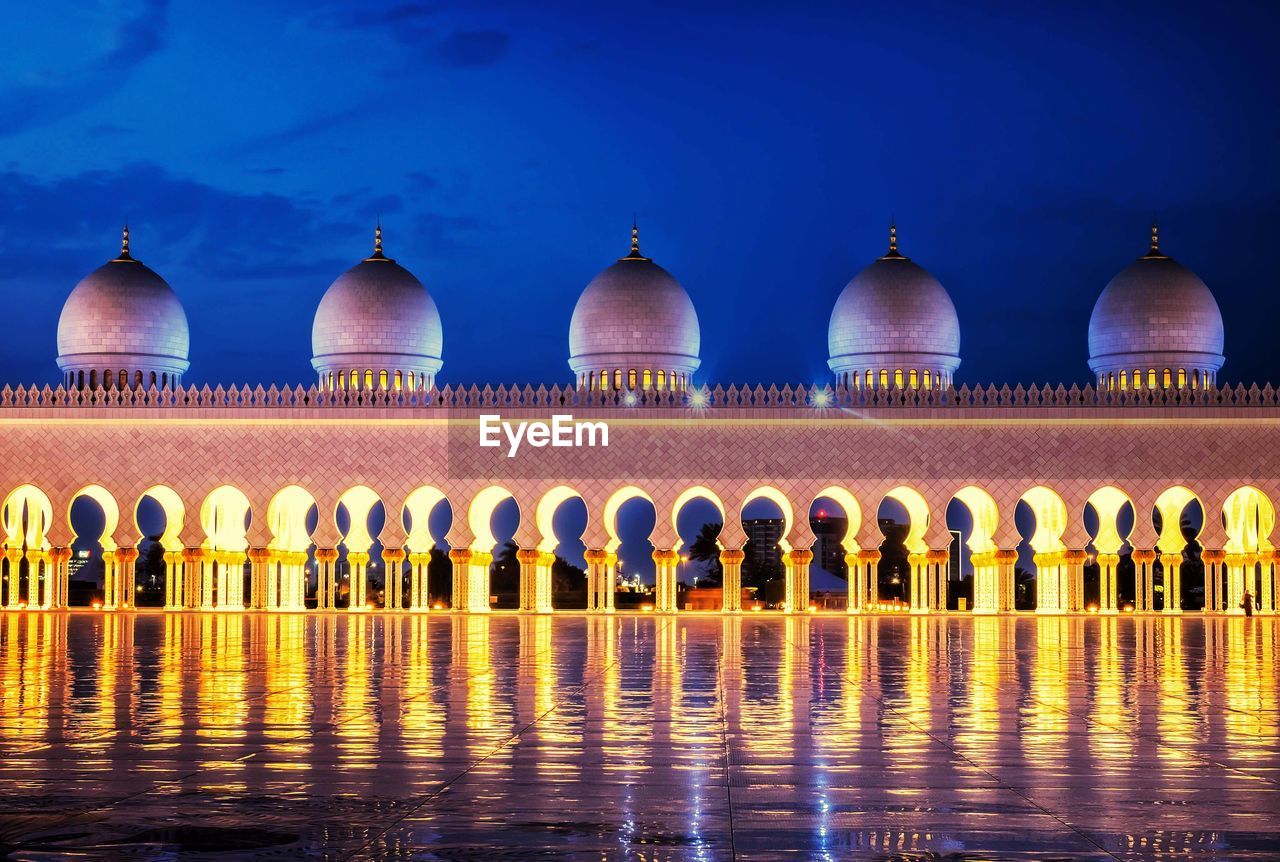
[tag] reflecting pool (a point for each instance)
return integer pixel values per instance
(241, 736)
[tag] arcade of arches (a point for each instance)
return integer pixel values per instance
(274, 513)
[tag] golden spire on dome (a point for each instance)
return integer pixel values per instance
(892, 253)
(1154, 251)
(635, 242)
(124, 244)
(377, 242)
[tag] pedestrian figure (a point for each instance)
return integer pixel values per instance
(1247, 603)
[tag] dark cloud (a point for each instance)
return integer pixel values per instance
(300, 130)
(472, 47)
(138, 35)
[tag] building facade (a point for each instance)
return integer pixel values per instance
(256, 478)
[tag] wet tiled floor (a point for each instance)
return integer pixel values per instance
(228, 736)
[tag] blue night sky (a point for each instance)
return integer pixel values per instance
(252, 145)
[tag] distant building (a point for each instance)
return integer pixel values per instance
(828, 551)
(763, 535)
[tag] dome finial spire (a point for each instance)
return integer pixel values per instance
(893, 239)
(124, 242)
(635, 254)
(1154, 251)
(377, 242)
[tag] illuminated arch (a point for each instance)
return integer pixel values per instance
(480, 517)
(420, 504)
(287, 519)
(779, 499)
(985, 515)
(1050, 514)
(1171, 504)
(1250, 518)
(611, 507)
(546, 512)
(222, 517)
(359, 502)
(693, 494)
(918, 512)
(1107, 502)
(174, 514)
(110, 512)
(852, 513)
(27, 516)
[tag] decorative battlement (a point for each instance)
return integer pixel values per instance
(702, 398)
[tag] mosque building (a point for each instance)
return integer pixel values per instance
(251, 480)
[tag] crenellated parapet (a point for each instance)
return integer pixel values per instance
(702, 398)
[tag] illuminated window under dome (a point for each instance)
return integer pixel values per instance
(634, 327)
(377, 327)
(123, 327)
(894, 326)
(1156, 326)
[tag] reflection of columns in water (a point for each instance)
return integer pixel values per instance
(665, 584)
(423, 717)
(924, 642)
(354, 723)
(287, 702)
(797, 580)
(1005, 559)
(32, 661)
(1048, 710)
(1110, 716)
(1175, 719)
(731, 579)
(473, 668)
(1212, 559)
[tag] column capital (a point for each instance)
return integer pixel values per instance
(870, 555)
(596, 556)
(460, 556)
(35, 555)
(1005, 556)
(1144, 555)
(917, 559)
(1237, 559)
(326, 555)
(1168, 560)
(480, 558)
(1075, 556)
(393, 555)
(13, 555)
(358, 558)
(801, 556)
(937, 555)
(1274, 556)
(1213, 555)
(195, 555)
(417, 558)
(732, 556)
(1048, 558)
(126, 555)
(665, 555)
(1108, 559)
(258, 556)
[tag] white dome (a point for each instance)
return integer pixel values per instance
(894, 315)
(123, 317)
(634, 315)
(1157, 314)
(378, 317)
